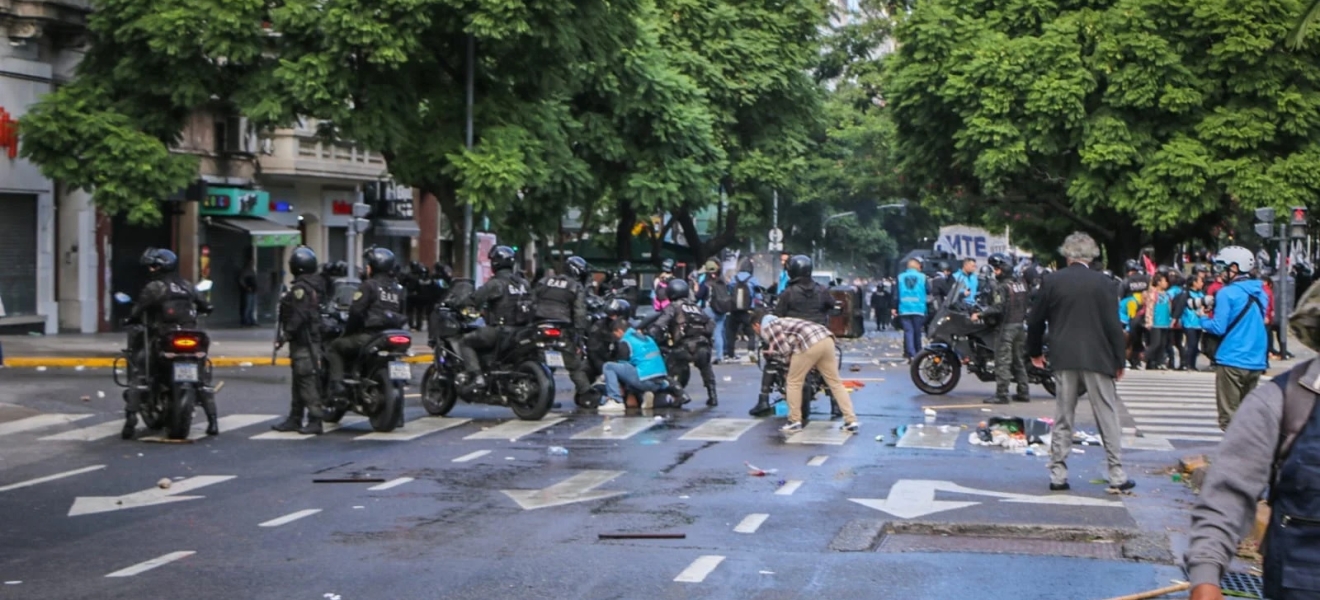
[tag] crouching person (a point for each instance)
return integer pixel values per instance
(637, 368)
(804, 346)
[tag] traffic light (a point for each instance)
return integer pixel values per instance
(1265, 222)
(1297, 227)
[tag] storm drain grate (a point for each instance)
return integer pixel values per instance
(901, 542)
(1242, 585)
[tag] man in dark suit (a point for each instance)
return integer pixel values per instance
(1078, 307)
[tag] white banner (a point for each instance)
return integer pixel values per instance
(972, 242)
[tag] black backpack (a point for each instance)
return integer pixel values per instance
(721, 301)
(743, 296)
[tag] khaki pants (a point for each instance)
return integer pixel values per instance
(821, 357)
(1231, 386)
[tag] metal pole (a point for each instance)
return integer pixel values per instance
(774, 214)
(469, 234)
(1282, 297)
(353, 235)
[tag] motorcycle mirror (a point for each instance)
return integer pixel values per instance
(204, 286)
(122, 298)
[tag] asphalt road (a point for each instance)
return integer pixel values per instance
(474, 506)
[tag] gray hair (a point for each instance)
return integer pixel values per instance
(1079, 247)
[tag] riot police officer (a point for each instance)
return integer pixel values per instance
(300, 327)
(167, 302)
(689, 331)
(1009, 304)
(563, 298)
(502, 302)
(624, 285)
(804, 298)
(377, 306)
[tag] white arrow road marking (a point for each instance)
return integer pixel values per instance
(471, 456)
(390, 484)
(289, 518)
(413, 430)
(912, 498)
(817, 461)
(87, 505)
(512, 430)
(31, 482)
(751, 523)
(151, 564)
(578, 488)
(788, 488)
(40, 422)
(347, 422)
(720, 430)
(699, 569)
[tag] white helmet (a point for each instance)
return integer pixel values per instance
(1243, 258)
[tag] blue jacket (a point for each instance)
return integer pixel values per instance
(1245, 347)
(1190, 319)
(912, 293)
(1162, 317)
(783, 281)
(644, 355)
(971, 282)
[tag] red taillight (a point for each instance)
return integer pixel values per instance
(551, 332)
(400, 340)
(184, 344)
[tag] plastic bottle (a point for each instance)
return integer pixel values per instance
(557, 451)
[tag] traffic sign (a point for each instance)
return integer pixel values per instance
(776, 247)
(776, 235)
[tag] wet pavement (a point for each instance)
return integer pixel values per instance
(475, 505)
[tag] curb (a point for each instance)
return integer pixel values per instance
(218, 362)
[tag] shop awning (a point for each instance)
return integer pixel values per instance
(395, 228)
(264, 232)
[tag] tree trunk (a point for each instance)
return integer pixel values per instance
(446, 196)
(699, 250)
(623, 231)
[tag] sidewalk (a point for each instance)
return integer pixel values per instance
(229, 348)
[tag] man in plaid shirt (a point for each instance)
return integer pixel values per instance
(804, 346)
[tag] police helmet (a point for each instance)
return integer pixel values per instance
(677, 289)
(302, 261)
(1131, 265)
(576, 266)
(618, 307)
(443, 272)
(380, 260)
(999, 260)
(501, 257)
(667, 265)
(799, 266)
(624, 268)
(160, 259)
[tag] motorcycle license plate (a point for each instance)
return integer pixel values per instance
(400, 371)
(554, 359)
(185, 372)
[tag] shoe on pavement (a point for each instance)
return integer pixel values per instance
(1122, 487)
(791, 427)
(130, 427)
(762, 408)
(851, 427)
(313, 427)
(1060, 487)
(1021, 399)
(287, 425)
(995, 401)
(611, 405)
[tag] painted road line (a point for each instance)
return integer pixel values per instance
(1168, 405)
(228, 423)
(289, 518)
(817, 461)
(619, 429)
(1173, 412)
(1191, 437)
(820, 433)
(32, 482)
(143, 567)
(413, 430)
(930, 438)
(1150, 442)
(1144, 422)
(40, 422)
(87, 434)
(512, 430)
(751, 523)
(393, 483)
(471, 456)
(788, 488)
(578, 488)
(347, 422)
(720, 430)
(1163, 429)
(699, 569)
(88, 505)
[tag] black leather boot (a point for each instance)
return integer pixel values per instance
(835, 411)
(130, 426)
(291, 423)
(712, 398)
(313, 427)
(762, 408)
(212, 425)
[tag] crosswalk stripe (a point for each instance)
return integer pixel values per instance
(1144, 422)
(820, 433)
(226, 423)
(87, 434)
(413, 430)
(1170, 405)
(40, 422)
(1193, 437)
(512, 430)
(1162, 429)
(347, 422)
(1173, 412)
(720, 430)
(619, 429)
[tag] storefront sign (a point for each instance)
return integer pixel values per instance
(223, 201)
(8, 134)
(271, 240)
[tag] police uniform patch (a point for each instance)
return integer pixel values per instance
(357, 295)
(298, 293)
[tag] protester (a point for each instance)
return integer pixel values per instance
(1159, 320)
(1078, 305)
(1192, 316)
(804, 346)
(247, 286)
(1239, 319)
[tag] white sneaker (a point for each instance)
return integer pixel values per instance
(791, 427)
(611, 405)
(851, 427)
(648, 400)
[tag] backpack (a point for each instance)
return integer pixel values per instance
(742, 294)
(721, 300)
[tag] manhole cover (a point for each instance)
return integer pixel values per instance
(901, 542)
(1242, 585)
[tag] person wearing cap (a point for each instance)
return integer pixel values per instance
(804, 346)
(718, 304)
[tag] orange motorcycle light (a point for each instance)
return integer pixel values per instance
(184, 344)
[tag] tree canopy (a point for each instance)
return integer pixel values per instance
(1116, 116)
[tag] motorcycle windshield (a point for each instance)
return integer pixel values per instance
(953, 316)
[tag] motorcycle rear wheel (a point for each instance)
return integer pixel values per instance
(389, 404)
(538, 400)
(181, 412)
(439, 394)
(931, 363)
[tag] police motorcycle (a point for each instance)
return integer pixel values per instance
(176, 373)
(955, 341)
(518, 372)
(377, 375)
